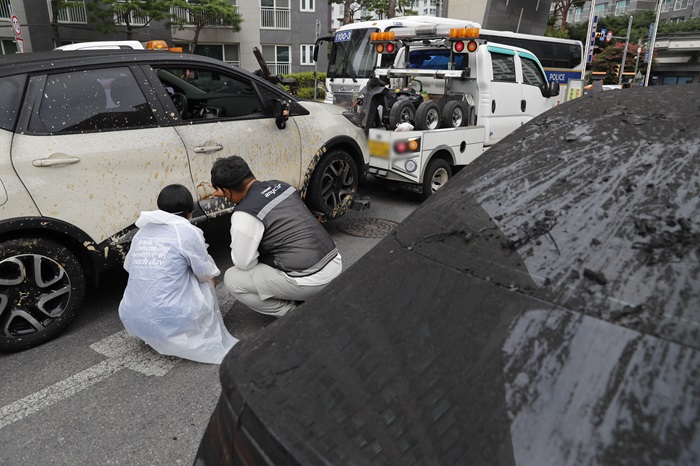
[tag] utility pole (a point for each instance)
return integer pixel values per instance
(650, 50)
(624, 54)
(636, 61)
(318, 31)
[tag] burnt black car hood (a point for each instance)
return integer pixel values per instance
(541, 309)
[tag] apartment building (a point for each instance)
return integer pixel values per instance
(283, 30)
(671, 10)
(525, 16)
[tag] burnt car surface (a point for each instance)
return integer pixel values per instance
(541, 309)
(88, 140)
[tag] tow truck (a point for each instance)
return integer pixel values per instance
(447, 98)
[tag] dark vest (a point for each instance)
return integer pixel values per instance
(293, 241)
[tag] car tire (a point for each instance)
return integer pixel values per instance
(402, 111)
(453, 115)
(435, 176)
(428, 116)
(42, 286)
(333, 184)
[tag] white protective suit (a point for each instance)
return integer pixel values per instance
(170, 301)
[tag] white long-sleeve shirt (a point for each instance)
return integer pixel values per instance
(247, 232)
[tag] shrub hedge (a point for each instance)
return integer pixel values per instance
(306, 84)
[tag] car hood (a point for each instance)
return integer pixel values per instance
(541, 308)
(321, 108)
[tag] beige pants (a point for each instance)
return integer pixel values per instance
(267, 290)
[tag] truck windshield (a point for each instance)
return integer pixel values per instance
(352, 56)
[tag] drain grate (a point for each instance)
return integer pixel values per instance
(367, 227)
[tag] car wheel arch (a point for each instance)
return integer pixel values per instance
(344, 143)
(88, 253)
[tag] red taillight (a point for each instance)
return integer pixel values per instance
(410, 145)
(459, 46)
(389, 48)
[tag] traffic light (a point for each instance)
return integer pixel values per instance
(616, 73)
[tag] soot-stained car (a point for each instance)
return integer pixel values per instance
(543, 308)
(88, 140)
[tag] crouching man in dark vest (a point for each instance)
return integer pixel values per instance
(281, 253)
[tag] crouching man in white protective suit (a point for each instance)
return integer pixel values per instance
(170, 301)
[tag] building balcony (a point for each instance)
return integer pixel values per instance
(71, 12)
(5, 10)
(190, 19)
(274, 18)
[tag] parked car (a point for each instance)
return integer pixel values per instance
(543, 308)
(88, 139)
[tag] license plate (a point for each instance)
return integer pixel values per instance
(379, 149)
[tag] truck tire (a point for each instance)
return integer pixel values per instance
(401, 112)
(453, 115)
(42, 286)
(333, 184)
(428, 115)
(435, 176)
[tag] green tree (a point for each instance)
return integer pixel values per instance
(609, 58)
(381, 8)
(349, 9)
(113, 15)
(202, 13)
(561, 13)
(56, 5)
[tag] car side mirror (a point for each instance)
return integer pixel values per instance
(553, 89)
(280, 110)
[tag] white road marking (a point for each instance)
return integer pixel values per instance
(122, 351)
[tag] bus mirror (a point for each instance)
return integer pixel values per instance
(553, 89)
(317, 45)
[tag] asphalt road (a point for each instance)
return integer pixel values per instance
(95, 396)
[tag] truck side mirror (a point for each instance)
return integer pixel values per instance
(553, 89)
(280, 110)
(316, 47)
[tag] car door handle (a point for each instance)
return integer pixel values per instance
(493, 106)
(523, 105)
(49, 162)
(203, 149)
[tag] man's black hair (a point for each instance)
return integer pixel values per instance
(175, 199)
(230, 173)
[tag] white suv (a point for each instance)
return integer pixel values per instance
(88, 139)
